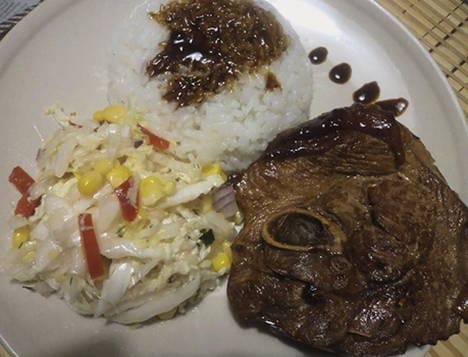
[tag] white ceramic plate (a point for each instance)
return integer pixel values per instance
(56, 55)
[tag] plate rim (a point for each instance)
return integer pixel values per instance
(430, 60)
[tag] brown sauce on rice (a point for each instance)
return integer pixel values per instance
(211, 43)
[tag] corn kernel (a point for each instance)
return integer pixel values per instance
(206, 204)
(20, 235)
(221, 261)
(151, 190)
(113, 114)
(227, 249)
(214, 169)
(90, 182)
(118, 175)
(103, 165)
(98, 115)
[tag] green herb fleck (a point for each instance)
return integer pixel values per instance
(207, 236)
(121, 231)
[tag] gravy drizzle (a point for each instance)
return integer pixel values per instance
(319, 135)
(341, 73)
(367, 94)
(318, 55)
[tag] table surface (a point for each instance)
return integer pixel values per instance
(440, 25)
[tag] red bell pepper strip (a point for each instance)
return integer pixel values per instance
(21, 180)
(129, 209)
(26, 206)
(157, 142)
(90, 246)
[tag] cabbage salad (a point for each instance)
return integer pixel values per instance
(115, 223)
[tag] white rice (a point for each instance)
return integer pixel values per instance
(232, 127)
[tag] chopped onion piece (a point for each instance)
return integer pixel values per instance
(224, 201)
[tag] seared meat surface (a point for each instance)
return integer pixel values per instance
(352, 241)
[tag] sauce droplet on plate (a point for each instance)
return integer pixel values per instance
(368, 93)
(318, 55)
(341, 73)
(397, 106)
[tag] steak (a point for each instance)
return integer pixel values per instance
(352, 241)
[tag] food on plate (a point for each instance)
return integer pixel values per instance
(221, 77)
(352, 240)
(215, 41)
(318, 55)
(397, 106)
(116, 224)
(341, 73)
(367, 94)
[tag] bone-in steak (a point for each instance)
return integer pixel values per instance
(353, 242)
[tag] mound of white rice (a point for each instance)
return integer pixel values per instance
(232, 127)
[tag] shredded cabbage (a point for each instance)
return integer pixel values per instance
(155, 264)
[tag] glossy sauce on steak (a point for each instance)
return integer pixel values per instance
(353, 242)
